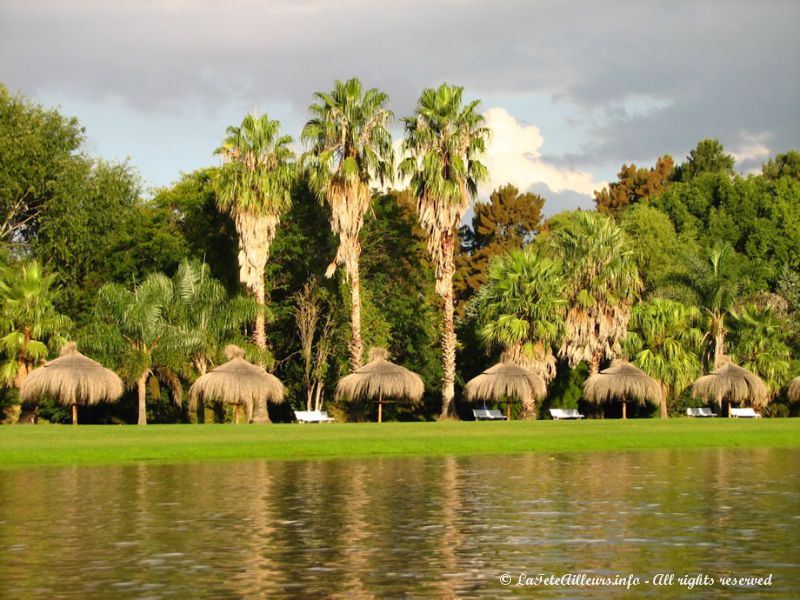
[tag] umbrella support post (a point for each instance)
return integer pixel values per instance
(508, 410)
(74, 413)
(380, 411)
(624, 409)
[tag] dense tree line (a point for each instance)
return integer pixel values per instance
(680, 265)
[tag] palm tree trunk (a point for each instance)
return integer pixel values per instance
(141, 388)
(448, 335)
(356, 343)
(260, 332)
(594, 364)
(719, 348)
(260, 414)
(664, 397)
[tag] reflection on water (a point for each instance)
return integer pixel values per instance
(417, 527)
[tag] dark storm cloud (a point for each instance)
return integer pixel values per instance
(708, 68)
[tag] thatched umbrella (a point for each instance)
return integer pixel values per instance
(731, 383)
(622, 381)
(236, 382)
(72, 379)
(380, 379)
(794, 390)
(506, 380)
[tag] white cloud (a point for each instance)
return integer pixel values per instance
(514, 156)
(752, 147)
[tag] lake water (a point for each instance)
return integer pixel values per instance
(416, 527)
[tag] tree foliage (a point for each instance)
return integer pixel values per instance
(522, 309)
(30, 325)
(635, 184)
(602, 284)
(505, 223)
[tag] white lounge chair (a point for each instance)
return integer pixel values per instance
(486, 414)
(744, 413)
(312, 416)
(559, 414)
(700, 412)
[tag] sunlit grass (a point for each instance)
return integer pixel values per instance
(63, 445)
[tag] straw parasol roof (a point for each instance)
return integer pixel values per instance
(72, 379)
(236, 382)
(380, 379)
(731, 383)
(506, 379)
(622, 381)
(794, 389)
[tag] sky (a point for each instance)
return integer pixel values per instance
(571, 90)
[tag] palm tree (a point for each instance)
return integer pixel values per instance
(443, 143)
(664, 341)
(132, 331)
(710, 282)
(202, 307)
(759, 343)
(253, 186)
(521, 308)
(30, 325)
(349, 148)
(602, 284)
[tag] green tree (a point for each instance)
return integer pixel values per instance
(443, 144)
(759, 336)
(350, 147)
(633, 185)
(711, 282)
(707, 157)
(602, 284)
(37, 147)
(505, 223)
(783, 165)
(209, 233)
(201, 306)
(30, 325)
(96, 229)
(522, 309)
(655, 244)
(254, 187)
(133, 332)
(664, 342)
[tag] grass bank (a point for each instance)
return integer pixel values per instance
(63, 445)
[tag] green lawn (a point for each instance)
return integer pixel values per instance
(64, 445)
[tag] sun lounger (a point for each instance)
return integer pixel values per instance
(744, 413)
(485, 414)
(559, 414)
(700, 412)
(312, 416)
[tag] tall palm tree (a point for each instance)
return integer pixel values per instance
(663, 340)
(253, 186)
(350, 147)
(132, 331)
(30, 325)
(443, 144)
(602, 284)
(522, 309)
(711, 283)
